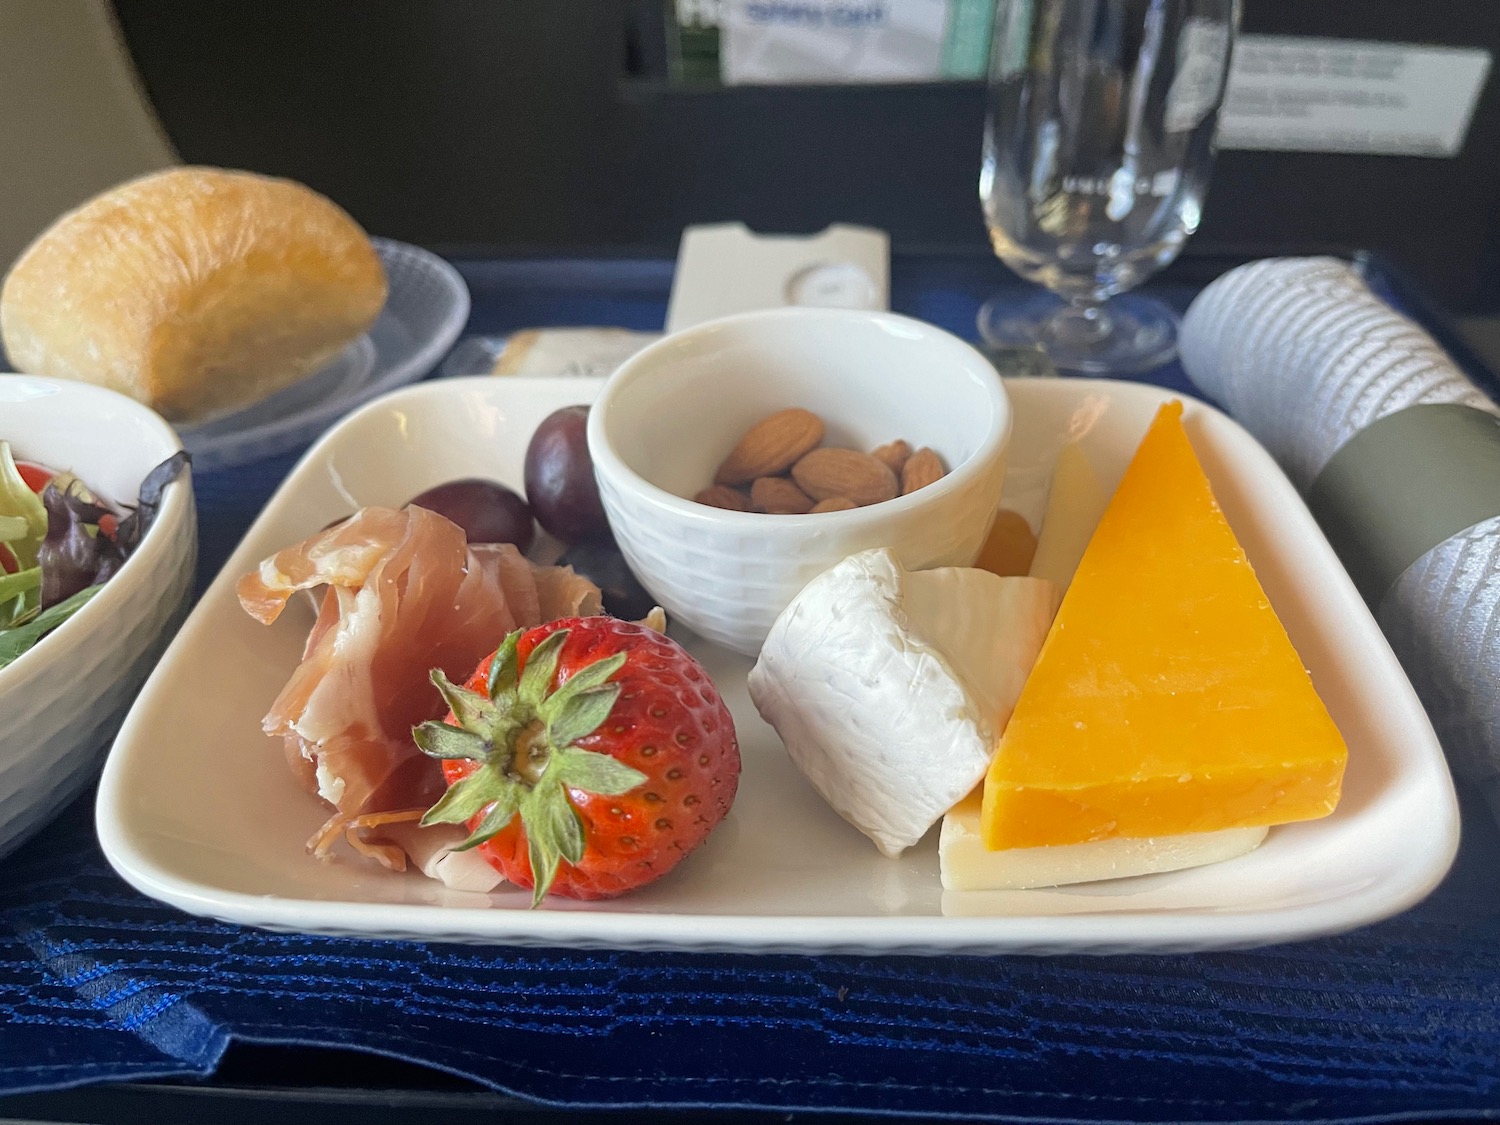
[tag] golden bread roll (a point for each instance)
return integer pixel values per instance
(196, 291)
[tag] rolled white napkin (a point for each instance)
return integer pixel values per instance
(1306, 357)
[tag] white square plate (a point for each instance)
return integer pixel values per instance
(197, 807)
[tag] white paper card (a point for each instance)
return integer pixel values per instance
(1344, 95)
(790, 41)
(726, 268)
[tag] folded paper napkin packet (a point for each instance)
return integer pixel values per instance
(1398, 453)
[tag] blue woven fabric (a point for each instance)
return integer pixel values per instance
(98, 983)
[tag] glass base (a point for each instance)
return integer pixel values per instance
(1126, 335)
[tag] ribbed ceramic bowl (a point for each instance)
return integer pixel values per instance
(61, 702)
(671, 413)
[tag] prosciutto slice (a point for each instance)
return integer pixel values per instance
(405, 594)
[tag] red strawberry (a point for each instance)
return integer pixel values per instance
(588, 740)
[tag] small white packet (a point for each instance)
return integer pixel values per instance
(547, 352)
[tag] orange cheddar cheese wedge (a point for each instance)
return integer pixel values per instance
(1167, 697)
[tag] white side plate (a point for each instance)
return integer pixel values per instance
(426, 308)
(197, 807)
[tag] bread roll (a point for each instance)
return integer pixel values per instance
(194, 290)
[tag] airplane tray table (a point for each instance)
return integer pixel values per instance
(113, 1006)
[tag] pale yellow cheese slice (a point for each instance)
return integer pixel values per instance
(1074, 507)
(967, 865)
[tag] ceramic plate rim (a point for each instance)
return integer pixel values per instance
(1089, 931)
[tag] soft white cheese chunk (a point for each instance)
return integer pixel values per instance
(890, 689)
(967, 865)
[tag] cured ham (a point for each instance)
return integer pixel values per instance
(405, 593)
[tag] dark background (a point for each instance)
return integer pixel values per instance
(518, 126)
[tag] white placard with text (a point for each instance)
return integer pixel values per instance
(1344, 95)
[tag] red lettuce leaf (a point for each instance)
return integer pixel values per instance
(74, 555)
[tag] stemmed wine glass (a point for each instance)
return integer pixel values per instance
(1097, 149)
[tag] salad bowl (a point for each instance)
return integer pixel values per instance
(62, 698)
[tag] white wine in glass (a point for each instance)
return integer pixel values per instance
(1098, 145)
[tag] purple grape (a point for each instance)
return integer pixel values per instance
(602, 564)
(488, 512)
(560, 478)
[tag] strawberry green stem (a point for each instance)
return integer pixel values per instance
(522, 733)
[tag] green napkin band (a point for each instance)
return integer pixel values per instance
(1404, 484)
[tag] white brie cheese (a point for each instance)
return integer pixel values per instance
(967, 865)
(890, 689)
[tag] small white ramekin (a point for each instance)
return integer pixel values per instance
(670, 414)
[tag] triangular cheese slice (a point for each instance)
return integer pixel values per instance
(1167, 697)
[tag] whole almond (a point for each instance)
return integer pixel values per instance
(722, 496)
(834, 504)
(893, 455)
(825, 473)
(771, 446)
(921, 469)
(778, 496)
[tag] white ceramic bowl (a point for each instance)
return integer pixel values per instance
(61, 702)
(670, 414)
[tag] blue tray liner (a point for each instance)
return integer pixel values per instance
(1400, 1019)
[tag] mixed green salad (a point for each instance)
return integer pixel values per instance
(59, 544)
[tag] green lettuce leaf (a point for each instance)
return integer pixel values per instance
(17, 640)
(18, 595)
(18, 502)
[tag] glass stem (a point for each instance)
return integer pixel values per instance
(1082, 324)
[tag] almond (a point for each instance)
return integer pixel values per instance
(779, 496)
(722, 496)
(893, 455)
(825, 473)
(921, 469)
(834, 504)
(771, 446)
